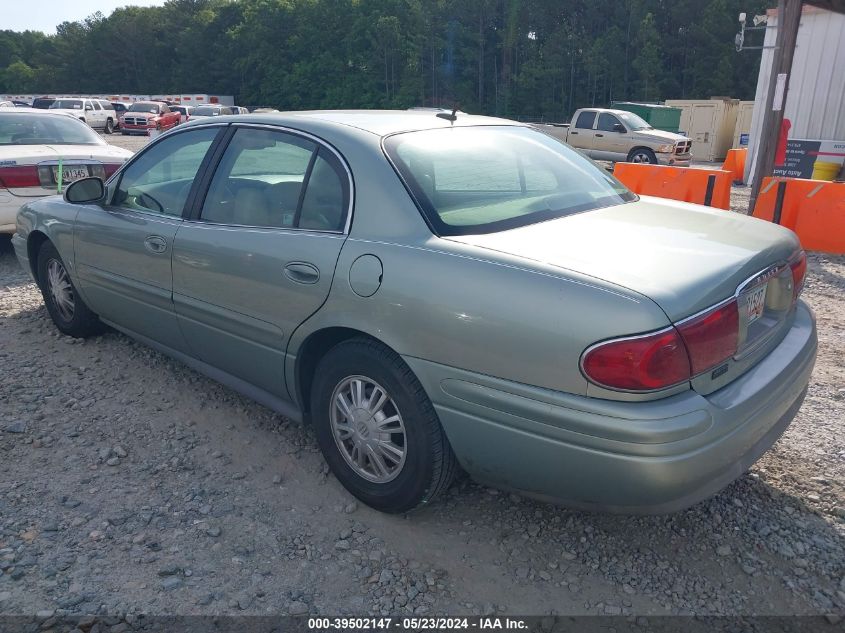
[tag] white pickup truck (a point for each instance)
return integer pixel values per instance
(618, 135)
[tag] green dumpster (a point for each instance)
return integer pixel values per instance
(659, 116)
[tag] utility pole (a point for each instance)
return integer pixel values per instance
(789, 17)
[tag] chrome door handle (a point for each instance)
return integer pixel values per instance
(155, 244)
(302, 273)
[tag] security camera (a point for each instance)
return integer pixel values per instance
(742, 18)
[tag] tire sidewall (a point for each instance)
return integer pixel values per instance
(651, 158)
(409, 488)
(45, 254)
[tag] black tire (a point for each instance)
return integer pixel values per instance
(82, 322)
(642, 155)
(429, 466)
(109, 126)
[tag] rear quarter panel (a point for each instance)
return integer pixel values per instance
(456, 306)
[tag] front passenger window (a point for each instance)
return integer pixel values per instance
(160, 179)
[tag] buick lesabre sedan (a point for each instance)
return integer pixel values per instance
(435, 290)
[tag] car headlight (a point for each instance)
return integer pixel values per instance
(666, 148)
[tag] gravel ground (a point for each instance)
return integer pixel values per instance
(129, 484)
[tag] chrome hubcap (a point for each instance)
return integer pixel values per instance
(640, 158)
(368, 429)
(60, 288)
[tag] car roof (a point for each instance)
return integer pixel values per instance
(379, 122)
(37, 111)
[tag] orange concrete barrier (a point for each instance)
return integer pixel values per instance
(735, 163)
(814, 209)
(688, 184)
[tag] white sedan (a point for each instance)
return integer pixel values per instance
(41, 152)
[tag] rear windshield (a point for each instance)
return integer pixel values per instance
(45, 129)
(470, 180)
(144, 107)
(206, 111)
(67, 104)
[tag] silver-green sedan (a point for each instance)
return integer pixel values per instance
(435, 290)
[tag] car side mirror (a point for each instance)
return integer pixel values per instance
(85, 191)
(618, 127)
(89, 107)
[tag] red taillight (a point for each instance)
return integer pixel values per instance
(110, 169)
(15, 177)
(666, 358)
(643, 363)
(799, 271)
(711, 337)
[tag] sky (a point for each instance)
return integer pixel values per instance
(44, 15)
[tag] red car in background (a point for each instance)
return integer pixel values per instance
(143, 116)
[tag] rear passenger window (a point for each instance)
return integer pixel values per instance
(276, 179)
(323, 207)
(585, 120)
(259, 179)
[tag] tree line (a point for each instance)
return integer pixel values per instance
(529, 59)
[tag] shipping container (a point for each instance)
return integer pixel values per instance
(742, 129)
(709, 123)
(662, 117)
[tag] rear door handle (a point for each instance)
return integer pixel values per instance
(573, 132)
(599, 135)
(302, 273)
(155, 244)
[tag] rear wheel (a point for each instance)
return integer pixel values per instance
(377, 428)
(64, 305)
(642, 155)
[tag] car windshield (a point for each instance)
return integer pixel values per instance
(205, 111)
(45, 129)
(144, 107)
(634, 122)
(470, 180)
(67, 104)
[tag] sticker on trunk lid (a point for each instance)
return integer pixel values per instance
(755, 303)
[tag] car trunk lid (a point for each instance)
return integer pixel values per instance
(686, 258)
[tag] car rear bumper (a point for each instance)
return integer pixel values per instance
(631, 457)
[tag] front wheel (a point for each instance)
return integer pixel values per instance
(377, 428)
(109, 126)
(642, 155)
(64, 305)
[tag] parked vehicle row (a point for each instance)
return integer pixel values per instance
(434, 289)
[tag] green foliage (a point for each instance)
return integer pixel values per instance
(517, 58)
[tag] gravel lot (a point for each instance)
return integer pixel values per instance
(130, 484)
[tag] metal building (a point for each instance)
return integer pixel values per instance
(815, 100)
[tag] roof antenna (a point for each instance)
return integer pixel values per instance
(449, 117)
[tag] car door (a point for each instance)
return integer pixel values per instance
(581, 133)
(123, 249)
(94, 113)
(610, 143)
(258, 255)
